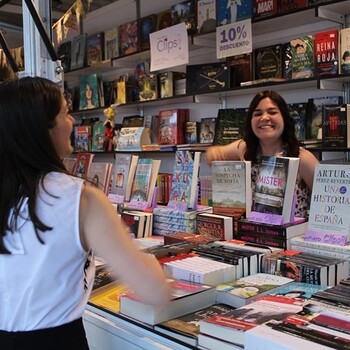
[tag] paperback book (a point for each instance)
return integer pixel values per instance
(207, 130)
(219, 227)
(326, 53)
(268, 62)
(111, 43)
(78, 52)
(273, 200)
(83, 164)
(95, 49)
(206, 16)
(344, 51)
(99, 175)
(302, 57)
(329, 221)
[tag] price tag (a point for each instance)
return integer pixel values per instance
(234, 39)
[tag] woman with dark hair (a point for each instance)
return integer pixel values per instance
(51, 224)
(270, 131)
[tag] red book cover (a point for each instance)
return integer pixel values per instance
(326, 53)
(286, 6)
(264, 8)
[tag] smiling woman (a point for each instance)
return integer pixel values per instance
(270, 131)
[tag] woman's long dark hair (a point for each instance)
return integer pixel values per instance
(289, 140)
(28, 108)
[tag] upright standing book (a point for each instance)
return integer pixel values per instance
(329, 219)
(184, 180)
(95, 50)
(273, 200)
(302, 57)
(231, 188)
(344, 51)
(83, 164)
(111, 43)
(326, 53)
(206, 16)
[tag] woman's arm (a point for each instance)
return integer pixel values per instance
(232, 151)
(307, 166)
(103, 230)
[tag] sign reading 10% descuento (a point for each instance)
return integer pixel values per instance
(234, 39)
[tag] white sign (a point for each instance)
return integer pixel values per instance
(169, 47)
(234, 39)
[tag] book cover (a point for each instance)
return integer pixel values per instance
(344, 50)
(273, 198)
(89, 92)
(206, 16)
(245, 290)
(231, 188)
(95, 49)
(326, 53)
(82, 138)
(302, 57)
(231, 11)
(186, 327)
(184, 12)
(64, 54)
(286, 6)
(147, 25)
(207, 130)
(235, 323)
(328, 208)
(229, 126)
(209, 77)
(218, 226)
(268, 62)
(128, 38)
(171, 126)
(166, 84)
(289, 230)
(98, 137)
(111, 43)
(121, 171)
(99, 175)
(83, 164)
(298, 113)
(148, 87)
(142, 179)
(133, 138)
(264, 8)
(184, 180)
(186, 297)
(191, 130)
(135, 222)
(164, 19)
(336, 125)
(78, 53)
(240, 69)
(263, 239)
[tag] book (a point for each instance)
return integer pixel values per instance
(186, 328)
(302, 57)
(209, 77)
(132, 138)
(128, 38)
(231, 188)
(89, 92)
(166, 84)
(273, 200)
(147, 25)
(207, 130)
(245, 290)
(240, 69)
(123, 175)
(109, 296)
(83, 164)
(263, 239)
(329, 221)
(191, 130)
(95, 49)
(296, 228)
(213, 225)
(206, 16)
(184, 12)
(186, 297)
(235, 323)
(229, 126)
(200, 269)
(268, 62)
(184, 189)
(111, 43)
(136, 222)
(100, 175)
(98, 137)
(164, 19)
(78, 52)
(103, 276)
(344, 50)
(336, 125)
(286, 6)
(170, 126)
(143, 186)
(326, 52)
(148, 89)
(264, 8)
(208, 342)
(82, 138)
(298, 113)
(64, 51)
(233, 11)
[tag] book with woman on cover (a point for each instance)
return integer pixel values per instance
(273, 200)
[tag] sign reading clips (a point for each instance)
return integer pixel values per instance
(169, 47)
(234, 39)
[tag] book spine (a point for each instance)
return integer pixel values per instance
(320, 252)
(276, 242)
(300, 242)
(270, 230)
(174, 213)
